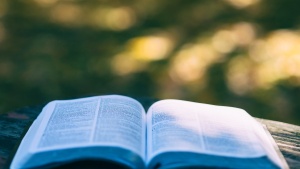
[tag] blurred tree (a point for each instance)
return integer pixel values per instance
(241, 53)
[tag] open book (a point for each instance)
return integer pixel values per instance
(173, 134)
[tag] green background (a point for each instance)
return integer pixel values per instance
(242, 53)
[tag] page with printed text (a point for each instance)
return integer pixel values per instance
(110, 127)
(202, 130)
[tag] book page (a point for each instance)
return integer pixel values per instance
(176, 126)
(71, 123)
(121, 122)
(107, 121)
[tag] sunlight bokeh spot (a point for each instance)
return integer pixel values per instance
(117, 19)
(120, 18)
(68, 14)
(224, 41)
(46, 3)
(140, 51)
(96, 17)
(279, 57)
(257, 49)
(150, 48)
(244, 33)
(124, 64)
(191, 63)
(241, 34)
(239, 75)
(3, 8)
(270, 60)
(242, 3)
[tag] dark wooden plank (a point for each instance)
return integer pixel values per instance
(287, 137)
(14, 124)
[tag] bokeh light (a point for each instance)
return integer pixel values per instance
(242, 3)
(67, 14)
(270, 60)
(117, 19)
(192, 62)
(278, 57)
(142, 50)
(242, 53)
(3, 8)
(46, 3)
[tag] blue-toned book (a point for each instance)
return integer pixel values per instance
(116, 129)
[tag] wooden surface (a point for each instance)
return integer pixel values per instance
(13, 124)
(287, 137)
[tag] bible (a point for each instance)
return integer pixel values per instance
(116, 130)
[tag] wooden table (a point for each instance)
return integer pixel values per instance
(14, 123)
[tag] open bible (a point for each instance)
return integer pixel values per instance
(172, 134)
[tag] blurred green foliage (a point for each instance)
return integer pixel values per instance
(61, 49)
